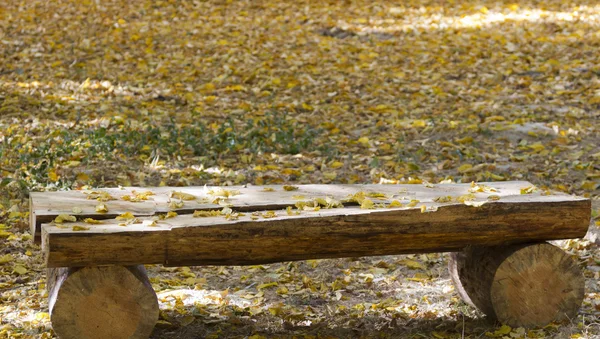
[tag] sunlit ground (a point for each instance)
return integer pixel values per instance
(420, 19)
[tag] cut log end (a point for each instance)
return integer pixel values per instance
(102, 302)
(527, 285)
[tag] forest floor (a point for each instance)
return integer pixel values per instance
(149, 93)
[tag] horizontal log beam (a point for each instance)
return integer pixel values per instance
(328, 233)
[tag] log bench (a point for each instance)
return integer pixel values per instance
(95, 242)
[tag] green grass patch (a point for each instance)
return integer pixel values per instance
(49, 147)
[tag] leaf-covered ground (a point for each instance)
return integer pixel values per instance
(148, 93)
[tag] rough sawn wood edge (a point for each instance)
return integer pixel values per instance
(198, 241)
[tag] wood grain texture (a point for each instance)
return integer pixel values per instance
(328, 233)
(45, 206)
(524, 285)
(101, 302)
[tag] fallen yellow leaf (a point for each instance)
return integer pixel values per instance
(19, 269)
(395, 203)
(64, 217)
(412, 264)
(125, 216)
(182, 196)
(101, 208)
(367, 204)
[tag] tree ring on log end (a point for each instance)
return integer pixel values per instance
(537, 285)
(523, 285)
(102, 302)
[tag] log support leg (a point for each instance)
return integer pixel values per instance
(101, 302)
(525, 285)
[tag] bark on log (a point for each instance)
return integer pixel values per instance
(101, 302)
(328, 233)
(525, 285)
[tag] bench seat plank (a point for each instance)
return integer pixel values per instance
(45, 206)
(326, 233)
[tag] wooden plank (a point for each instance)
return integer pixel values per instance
(327, 233)
(45, 206)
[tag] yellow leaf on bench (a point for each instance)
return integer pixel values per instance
(182, 196)
(367, 203)
(528, 189)
(204, 214)
(125, 216)
(176, 204)
(269, 214)
(443, 199)
(149, 223)
(376, 195)
(220, 192)
(64, 217)
(413, 203)
(395, 203)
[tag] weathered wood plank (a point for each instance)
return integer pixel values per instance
(327, 233)
(45, 206)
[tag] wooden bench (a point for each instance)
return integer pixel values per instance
(501, 263)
